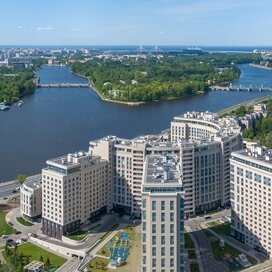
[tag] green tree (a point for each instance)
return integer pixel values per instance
(21, 178)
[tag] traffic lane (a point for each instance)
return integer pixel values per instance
(7, 190)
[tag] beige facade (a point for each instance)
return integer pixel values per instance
(162, 215)
(76, 191)
(31, 197)
(251, 200)
(203, 142)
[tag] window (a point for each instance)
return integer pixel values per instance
(163, 251)
(171, 262)
(171, 217)
(153, 251)
(153, 217)
(162, 228)
(163, 240)
(163, 205)
(171, 240)
(153, 262)
(171, 228)
(162, 262)
(171, 205)
(153, 240)
(163, 217)
(153, 228)
(153, 205)
(172, 251)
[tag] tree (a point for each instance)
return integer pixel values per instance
(47, 263)
(41, 259)
(21, 178)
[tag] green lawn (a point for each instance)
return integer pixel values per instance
(188, 241)
(191, 254)
(194, 267)
(222, 229)
(24, 222)
(213, 224)
(98, 264)
(34, 253)
(78, 235)
(4, 227)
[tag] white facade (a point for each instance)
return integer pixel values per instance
(31, 198)
(251, 200)
(162, 215)
(76, 191)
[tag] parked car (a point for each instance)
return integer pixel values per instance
(24, 240)
(18, 232)
(207, 217)
(10, 223)
(4, 236)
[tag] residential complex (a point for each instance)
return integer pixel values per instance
(78, 187)
(251, 176)
(162, 215)
(75, 192)
(31, 198)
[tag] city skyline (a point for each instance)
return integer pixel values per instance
(163, 22)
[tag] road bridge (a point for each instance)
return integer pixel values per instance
(64, 85)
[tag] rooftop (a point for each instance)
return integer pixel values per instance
(162, 169)
(256, 152)
(33, 182)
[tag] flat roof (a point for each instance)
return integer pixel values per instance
(162, 169)
(33, 182)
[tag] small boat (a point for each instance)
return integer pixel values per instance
(20, 103)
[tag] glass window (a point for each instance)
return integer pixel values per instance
(163, 205)
(153, 205)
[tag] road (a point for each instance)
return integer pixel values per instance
(7, 188)
(208, 261)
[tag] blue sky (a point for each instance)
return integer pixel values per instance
(114, 22)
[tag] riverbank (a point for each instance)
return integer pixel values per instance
(247, 103)
(260, 66)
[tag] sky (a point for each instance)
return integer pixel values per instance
(136, 22)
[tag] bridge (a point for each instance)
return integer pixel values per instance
(64, 85)
(239, 88)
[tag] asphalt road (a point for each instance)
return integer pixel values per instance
(7, 188)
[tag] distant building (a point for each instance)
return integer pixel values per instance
(251, 197)
(76, 192)
(162, 215)
(31, 198)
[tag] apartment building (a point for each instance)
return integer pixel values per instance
(251, 200)
(31, 198)
(203, 142)
(206, 142)
(162, 215)
(75, 191)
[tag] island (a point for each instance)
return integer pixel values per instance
(15, 83)
(159, 77)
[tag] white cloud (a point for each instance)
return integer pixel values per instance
(49, 28)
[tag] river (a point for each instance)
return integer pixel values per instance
(53, 122)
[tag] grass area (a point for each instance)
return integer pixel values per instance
(211, 212)
(194, 267)
(188, 241)
(4, 227)
(98, 264)
(222, 229)
(33, 252)
(212, 224)
(191, 254)
(104, 251)
(78, 235)
(24, 222)
(228, 250)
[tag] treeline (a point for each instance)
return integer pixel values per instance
(15, 84)
(160, 78)
(262, 130)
